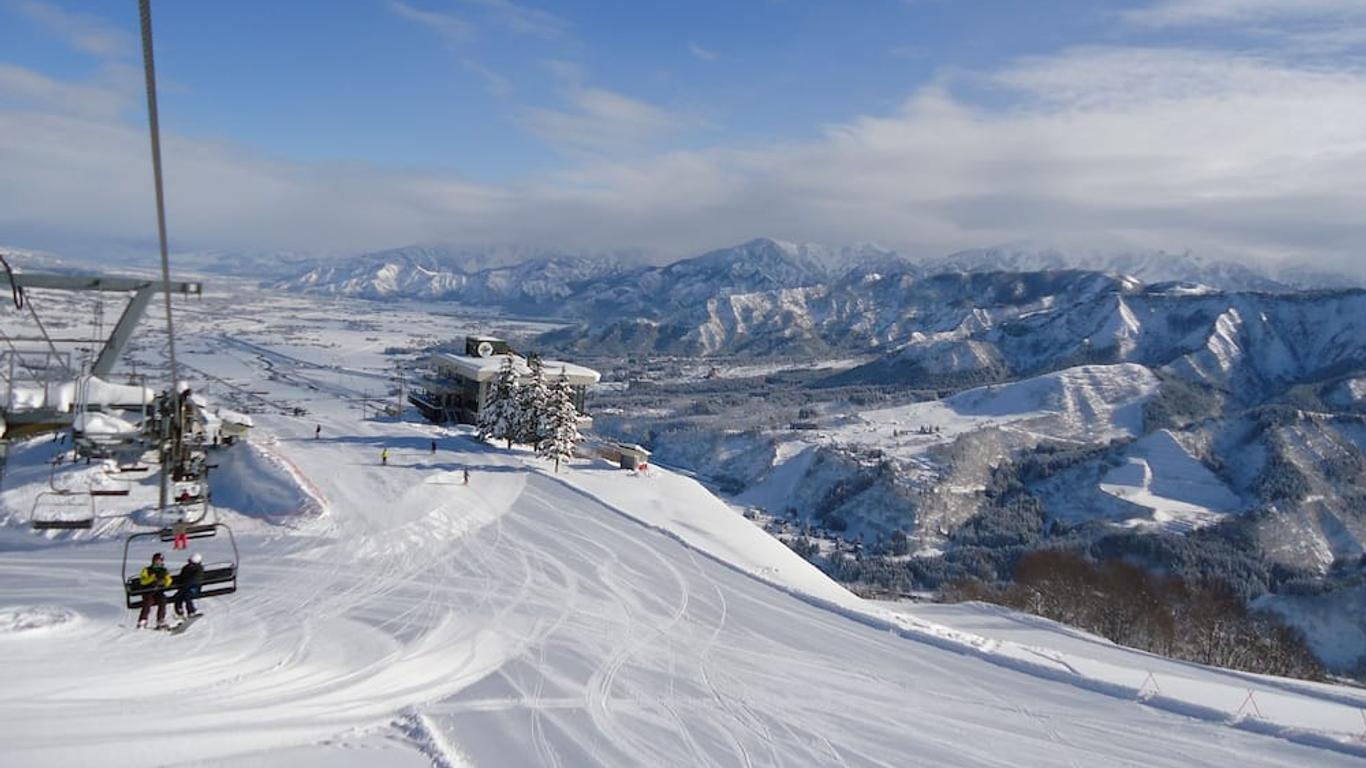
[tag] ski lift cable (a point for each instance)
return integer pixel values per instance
(154, 129)
(154, 132)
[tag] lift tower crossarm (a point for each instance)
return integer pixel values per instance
(142, 289)
(109, 284)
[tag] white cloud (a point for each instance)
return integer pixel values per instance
(1139, 147)
(702, 54)
(90, 34)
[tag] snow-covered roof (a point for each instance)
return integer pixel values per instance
(92, 389)
(103, 424)
(486, 368)
(233, 417)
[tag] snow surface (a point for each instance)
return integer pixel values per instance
(1099, 402)
(394, 615)
(1160, 475)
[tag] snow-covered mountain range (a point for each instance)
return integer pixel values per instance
(434, 270)
(770, 297)
(1148, 266)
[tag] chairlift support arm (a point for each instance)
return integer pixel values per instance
(143, 290)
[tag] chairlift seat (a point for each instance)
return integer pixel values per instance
(50, 514)
(219, 579)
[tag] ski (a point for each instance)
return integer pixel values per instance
(183, 625)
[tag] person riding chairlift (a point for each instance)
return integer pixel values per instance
(191, 579)
(154, 575)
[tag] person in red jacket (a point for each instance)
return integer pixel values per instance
(156, 575)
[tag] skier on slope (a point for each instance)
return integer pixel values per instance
(154, 575)
(384, 457)
(191, 579)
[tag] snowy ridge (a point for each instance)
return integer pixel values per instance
(1241, 343)
(1148, 266)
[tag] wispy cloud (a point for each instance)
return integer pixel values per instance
(1315, 28)
(702, 54)
(599, 119)
(112, 91)
(453, 29)
(86, 33)
(1173, 13)
(524, 19)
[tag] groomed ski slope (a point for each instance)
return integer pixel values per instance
(595, 617)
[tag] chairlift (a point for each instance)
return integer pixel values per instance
(187, 493)
(119, 488)
(220, 575)
(190, 506)
(62, 511)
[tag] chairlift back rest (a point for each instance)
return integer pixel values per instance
(189, 531)
(63, 525)
(109, 491)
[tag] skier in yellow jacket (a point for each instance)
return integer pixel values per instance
(154, 574)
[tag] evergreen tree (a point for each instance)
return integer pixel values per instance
(533, 405)
(498, 418)
(562, 432)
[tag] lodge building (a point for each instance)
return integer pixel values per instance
(454, 387)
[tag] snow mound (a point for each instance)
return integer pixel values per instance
(255, 482)
(16, 620)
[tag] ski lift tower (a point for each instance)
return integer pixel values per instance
(39, 369)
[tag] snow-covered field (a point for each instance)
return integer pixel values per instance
(1160, 475)
(393, 615)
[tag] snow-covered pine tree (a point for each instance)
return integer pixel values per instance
(533, 405)
(498, 418)
(562, 432)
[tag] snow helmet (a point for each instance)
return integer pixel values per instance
(196, 558)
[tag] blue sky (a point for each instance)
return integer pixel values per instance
(451, 85)
(927, 125)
